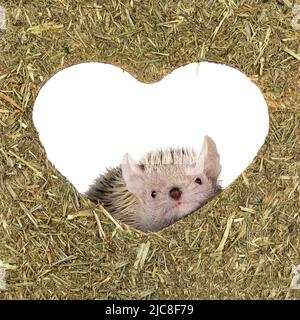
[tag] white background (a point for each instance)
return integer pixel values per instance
(89, 115)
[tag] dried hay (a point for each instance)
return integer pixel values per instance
(55, 244)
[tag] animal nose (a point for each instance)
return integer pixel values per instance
(175, 193)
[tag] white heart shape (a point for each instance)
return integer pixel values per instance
(89, 115)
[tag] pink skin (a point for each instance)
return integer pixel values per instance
(159, 203)
(162, 210)
(193, 195)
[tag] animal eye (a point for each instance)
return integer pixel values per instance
(198, 180)
(153, 194)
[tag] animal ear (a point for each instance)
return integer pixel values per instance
(132, 174)
(210, 159)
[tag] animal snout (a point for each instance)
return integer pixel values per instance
(175, 193)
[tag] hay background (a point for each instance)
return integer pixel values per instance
(51, 256)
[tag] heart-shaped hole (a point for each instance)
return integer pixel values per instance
(91, 116)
